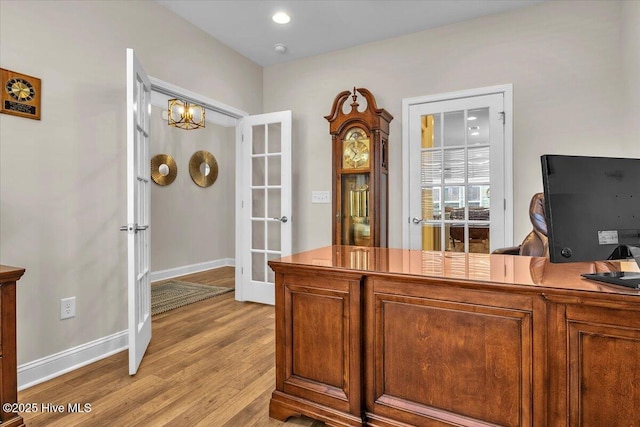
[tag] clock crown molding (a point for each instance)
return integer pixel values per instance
(376, 118)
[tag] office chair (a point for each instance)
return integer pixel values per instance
(536, 242)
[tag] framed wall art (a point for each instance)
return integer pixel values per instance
(21, 94)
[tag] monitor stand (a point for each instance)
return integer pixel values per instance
(624, 278)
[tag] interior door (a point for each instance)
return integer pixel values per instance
(138, 212)
(263, 231)
(457, 175)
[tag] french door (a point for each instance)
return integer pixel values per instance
(138, 210)
(457, 175)
(264, 225)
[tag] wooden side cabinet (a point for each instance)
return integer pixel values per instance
(8, 358)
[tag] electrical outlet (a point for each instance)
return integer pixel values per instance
(320, 197)
(67, 308)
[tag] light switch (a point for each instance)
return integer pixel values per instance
(320, 197)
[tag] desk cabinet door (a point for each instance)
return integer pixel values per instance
(448, 356)
(604, 372)
(321, 352)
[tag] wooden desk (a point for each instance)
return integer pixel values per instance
(390, 337)
(8, 359)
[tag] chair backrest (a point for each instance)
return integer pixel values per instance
(536, 242)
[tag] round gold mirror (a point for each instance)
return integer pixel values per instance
(163, 169)
(203, 168)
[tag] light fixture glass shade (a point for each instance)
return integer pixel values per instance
(184, 115)
(281, 18)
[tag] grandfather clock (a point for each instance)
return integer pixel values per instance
(360, 164)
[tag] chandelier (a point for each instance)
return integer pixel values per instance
(184, 115)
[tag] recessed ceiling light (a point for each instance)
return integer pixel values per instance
(471, 118)
(280, 48)
(475, 133)
(281, 18)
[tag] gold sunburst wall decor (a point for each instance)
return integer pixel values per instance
(163, 169)
(203, 168)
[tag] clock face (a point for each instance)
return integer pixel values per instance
(20, 89)
(355, 149)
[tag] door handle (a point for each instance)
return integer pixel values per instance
(133, 227)
(417, 220)
(283, 219)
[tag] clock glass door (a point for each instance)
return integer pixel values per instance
(356, 227)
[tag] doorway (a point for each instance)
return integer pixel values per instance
(192, 226)
(142, 93)
(262, 184)
(211, 218)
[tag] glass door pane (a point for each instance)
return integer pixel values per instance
(355, 199)
(455, 180)
(457, 160)
(266, 188)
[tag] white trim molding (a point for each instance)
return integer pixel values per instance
(41, 370)
(217, 112)
(193, 268)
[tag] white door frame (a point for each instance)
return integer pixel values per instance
(507, 91)
(217, 112)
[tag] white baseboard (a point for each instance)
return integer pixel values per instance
(41, 370)
(189, 269)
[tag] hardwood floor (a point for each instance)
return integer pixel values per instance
(210, 364)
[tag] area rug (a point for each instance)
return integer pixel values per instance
(175, 293)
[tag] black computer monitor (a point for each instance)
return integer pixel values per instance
(592, 209)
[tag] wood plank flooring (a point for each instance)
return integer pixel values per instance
(211, 363)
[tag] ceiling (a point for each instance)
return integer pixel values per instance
(320, 26)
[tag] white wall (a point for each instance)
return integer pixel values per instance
(564, 59)
(62, 179)
(191, 224)
(630, 42)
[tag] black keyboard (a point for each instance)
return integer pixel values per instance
(623, 278)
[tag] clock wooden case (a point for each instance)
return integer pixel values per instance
(360, 163)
